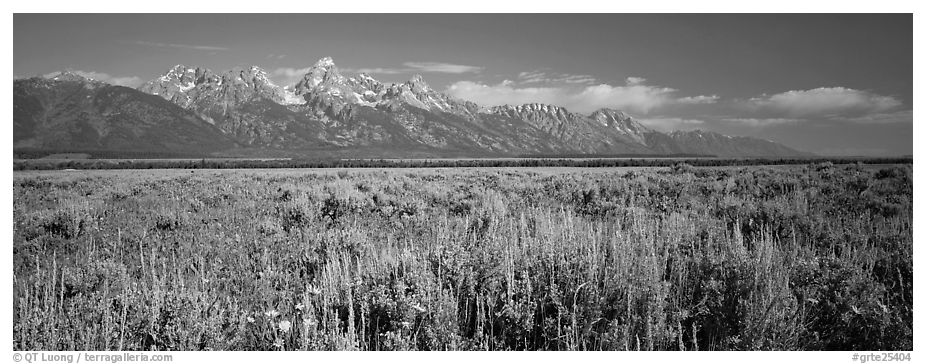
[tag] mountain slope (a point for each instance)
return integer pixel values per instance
(704, 142)
(243, 103)
(579, 133)
(70, 111)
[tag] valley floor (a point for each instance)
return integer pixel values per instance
(802, 257)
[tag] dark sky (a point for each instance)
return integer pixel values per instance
(828, 83)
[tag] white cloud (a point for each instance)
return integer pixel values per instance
(127, 81)
(634, 98)
(671, 123)
(287, 75)
(532, 77)
(823, 102)
(902, 116)
(290, 72)
(418, 67)
(635, 81)
(131, 81)
(378, 70)
(183, 46)
(439, 67)
(700, 99)
(580, 79)
(760, 122)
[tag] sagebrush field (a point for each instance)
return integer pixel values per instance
(815, 257)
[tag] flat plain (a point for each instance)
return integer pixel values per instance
(802, 257)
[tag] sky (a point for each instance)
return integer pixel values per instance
(831, 84)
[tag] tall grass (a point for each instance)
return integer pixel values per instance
(816, 257)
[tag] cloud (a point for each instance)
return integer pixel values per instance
(183, 46)
(635, 81)
(290, 72)
(438, 67)
(576, 79)
(635, 98)
(760, 122)
(503, 93)
(131, 81)
(902, 116)
(700, 99)
(672, 123)
(127, 81)
(823, 102)
(878, 118)
(379, 70)
(535, 77)
(418, 67)
(532, 77)
(287, 75)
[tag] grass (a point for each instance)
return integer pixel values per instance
(817, 257)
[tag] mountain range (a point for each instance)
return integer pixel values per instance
(241, 112)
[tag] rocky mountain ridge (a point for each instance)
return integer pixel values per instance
(328, 113)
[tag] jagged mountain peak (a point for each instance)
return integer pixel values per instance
(418, 84)
(324, 66)
(179, 68)
(321, 73)
(535, 107)
(367, 81)
(200, 89)
(253, 69)
(252, 75)
(181, 76)
(325, 62)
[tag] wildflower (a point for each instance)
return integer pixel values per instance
(272, 313)
(417, 307)
(314, 291)
(300, 306)
(285, 326)
(250, 319)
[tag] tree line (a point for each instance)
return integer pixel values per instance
(204, 163)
